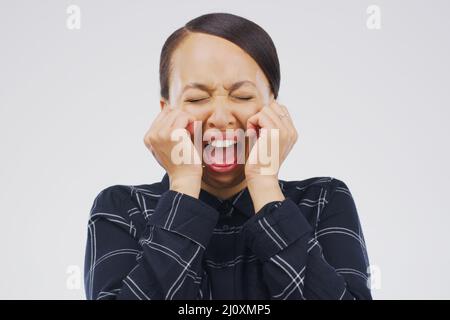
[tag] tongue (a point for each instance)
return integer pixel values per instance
(223, 156)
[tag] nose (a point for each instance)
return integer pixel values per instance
(221, 117)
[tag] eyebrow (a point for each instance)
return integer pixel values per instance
(203, 87)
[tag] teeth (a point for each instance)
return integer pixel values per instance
(222, 143)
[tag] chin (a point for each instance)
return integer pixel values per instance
(226, 179)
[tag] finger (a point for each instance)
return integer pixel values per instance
(160, 115)
(164, 128)
(168, 121)
(287, 130)
(281, 112)
(260, 120)
(183, 120)
(159, 120)
(286, 120)
(290, 122)
(147, 139)
(285, 111)
(274, 116)
(276, 107)
(154, 126)
(283, 108)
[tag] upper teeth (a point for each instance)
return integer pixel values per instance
(222, 143)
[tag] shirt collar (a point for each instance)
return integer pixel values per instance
(240, 201)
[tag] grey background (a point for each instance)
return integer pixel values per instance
(371, 107)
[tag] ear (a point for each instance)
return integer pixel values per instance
(163, 103)
(271, 98)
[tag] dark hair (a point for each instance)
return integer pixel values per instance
(244, 33)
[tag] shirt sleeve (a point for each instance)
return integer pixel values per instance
(163, 262)
(301, 261)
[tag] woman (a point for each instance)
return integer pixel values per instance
(220, 228)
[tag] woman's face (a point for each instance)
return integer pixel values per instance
(221, 86)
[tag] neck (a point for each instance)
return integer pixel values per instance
(224, 193)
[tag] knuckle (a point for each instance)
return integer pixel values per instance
(153, 137)
(160, 136)
(146, 141)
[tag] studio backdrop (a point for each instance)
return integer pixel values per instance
(366, 84)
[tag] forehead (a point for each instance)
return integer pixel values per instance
(212, 60)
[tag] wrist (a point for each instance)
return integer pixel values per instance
(261, 182)
(188, 185)
(263, 190)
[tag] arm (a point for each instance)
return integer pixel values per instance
(163, 262)
(327, 261)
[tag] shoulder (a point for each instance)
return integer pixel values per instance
(111, 197)
(125, 206)
(321, 196)
(326, 186)
(121, 198)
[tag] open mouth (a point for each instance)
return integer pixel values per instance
(220, 154)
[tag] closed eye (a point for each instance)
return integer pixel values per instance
(196, 100)
(244, 98)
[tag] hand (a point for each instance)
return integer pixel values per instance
(184, 177)
(272, 117)
(262, 181)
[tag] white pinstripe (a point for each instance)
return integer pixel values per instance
(179, 277)
(267, 232)
(134, 292)
(175, 212)
(112, 254)
(343, 293)
(352, 271)
(137, 287)
(181, 262)
(273, 230)
(293, 278)
(171, 209)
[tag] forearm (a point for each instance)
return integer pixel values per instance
(189, 185)
(296, 265)
(164, 262)
(263, 190)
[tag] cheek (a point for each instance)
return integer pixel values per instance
(243, 113)
(200, 114)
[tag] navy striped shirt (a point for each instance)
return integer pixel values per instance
(149, 242)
